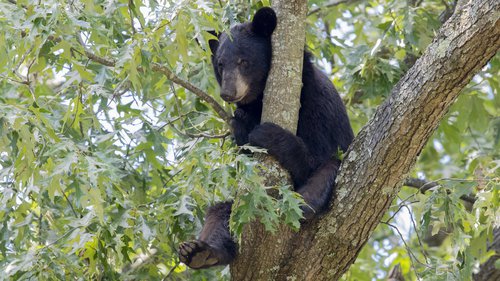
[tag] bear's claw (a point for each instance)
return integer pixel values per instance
(197, 254)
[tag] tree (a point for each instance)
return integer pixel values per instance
(373, 171)
(113, 141)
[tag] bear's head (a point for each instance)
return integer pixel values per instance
(242, 59)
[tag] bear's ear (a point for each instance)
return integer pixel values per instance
(213, 43)
(264, 21)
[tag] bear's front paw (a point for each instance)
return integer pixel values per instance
(239, 132)
(197, 254)
(241, 115)
(266, 135)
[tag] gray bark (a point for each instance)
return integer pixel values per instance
(380, 157)
(282, 94)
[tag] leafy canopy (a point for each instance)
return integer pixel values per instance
(106, 164)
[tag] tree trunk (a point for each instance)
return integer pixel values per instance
(282, 94)
(281, 106)
(380, 157)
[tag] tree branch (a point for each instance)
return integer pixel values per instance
(424, 186)
(170, 75)
(384, 152)
(192, 88)
(329, 4)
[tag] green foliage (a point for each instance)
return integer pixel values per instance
(104, 167)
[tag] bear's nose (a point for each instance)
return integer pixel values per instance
(226, 97)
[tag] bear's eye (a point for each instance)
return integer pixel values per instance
(242, 63)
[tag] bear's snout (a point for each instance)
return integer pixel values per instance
(234, 88)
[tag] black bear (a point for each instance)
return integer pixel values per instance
(241, 63)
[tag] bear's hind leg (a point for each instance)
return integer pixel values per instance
(318, 190)
(215, 245)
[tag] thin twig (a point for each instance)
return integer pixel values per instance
(208, 136)
(403, 204)
(412, 219)
(120, 89)
(58, 239)
(171, 270)
(69, 202)
(14, 80)
(410, 253)
(21, 60)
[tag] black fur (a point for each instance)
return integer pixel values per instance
(309, 156)
(215, 245)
